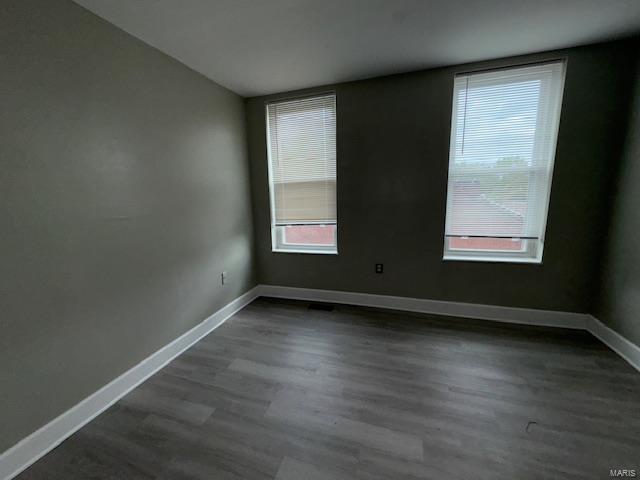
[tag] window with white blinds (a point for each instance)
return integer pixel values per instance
(301, 139)
(503, 139)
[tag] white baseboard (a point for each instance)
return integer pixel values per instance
(526, 316)
(616, 342)
(40, 442)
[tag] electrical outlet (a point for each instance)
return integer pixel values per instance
(223, 278)
(379, 267)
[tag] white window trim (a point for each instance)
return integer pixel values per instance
(530, 254)
(313, 252)
(534, 251)
(491, 259)
(277, 245)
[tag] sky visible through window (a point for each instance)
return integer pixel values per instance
(496, 122)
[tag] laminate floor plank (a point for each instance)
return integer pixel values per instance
(281, 391)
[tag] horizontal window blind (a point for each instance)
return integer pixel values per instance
(503, 136)
(302, 157)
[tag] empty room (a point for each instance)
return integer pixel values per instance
(319, 239)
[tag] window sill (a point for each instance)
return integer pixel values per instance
(313, 252)
(488, 259)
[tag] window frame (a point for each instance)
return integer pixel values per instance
(278, 245)
(527, 255)
(533, 251)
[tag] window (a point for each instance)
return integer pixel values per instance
(503, 139)
(301, 142)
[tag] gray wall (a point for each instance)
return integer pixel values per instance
(618, 302)
(393, 147)
(124, 194)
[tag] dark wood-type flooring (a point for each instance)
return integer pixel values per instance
(287, 392)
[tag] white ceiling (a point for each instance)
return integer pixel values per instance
(255, 47)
